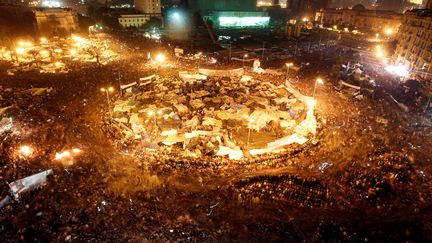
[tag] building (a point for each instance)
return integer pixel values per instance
(239, 19)
(56, 21)
(414, 48)
(231, 14)
(305, 8)
(376, 21)
(149, 7)
(133, 20)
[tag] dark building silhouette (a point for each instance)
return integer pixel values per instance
(221, 5)
(299, 8)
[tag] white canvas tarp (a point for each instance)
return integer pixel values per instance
(29, 183)
(222, 73)
(233, 154)
(260, 118)
(294, 138)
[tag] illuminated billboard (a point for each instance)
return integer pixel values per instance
(240, 19)
(244, 22)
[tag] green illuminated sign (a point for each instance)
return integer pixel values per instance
(242, 22)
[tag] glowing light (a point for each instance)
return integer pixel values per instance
(305, 19)
(379, 53)
(320, 81)
(79, 41)
(290, 64)
(76, 150)
(73, 52)
(160, 58)
(389, 31)
(57, 64)
(26, 150)
(43, 39)
(335, 27)
(176, 16)
(311, 103)
(62, 155)
(111, 89)
(20, 51)
(399, 70)
(103, 89)
(150, 113)
(240, 22)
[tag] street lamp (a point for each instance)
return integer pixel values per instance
(249, 130)
(317, 81)
(26, 150)
(160, 58)
(107, 91)
(20, 50)
(244, 56)
(311, 103)
(290, 64)
(389, 31)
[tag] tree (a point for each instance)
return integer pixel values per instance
(153, 23)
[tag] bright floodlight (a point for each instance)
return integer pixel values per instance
(26, 150)
(176, 16)
(389, 31)
(150, 113)
(110, 89)
(43, 39)
(103, 89)
(160, 58)
(290, 64)
(379, 53)
(399, 70)
(320, 81)
(311, 103)
(305, 19)
(20, 50)
(76, 150)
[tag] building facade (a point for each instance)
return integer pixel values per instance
(56, 21)
(133, 20)
(414, 48)
(365, 20)
(149, 7)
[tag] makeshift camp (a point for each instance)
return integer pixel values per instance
(225, 115)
